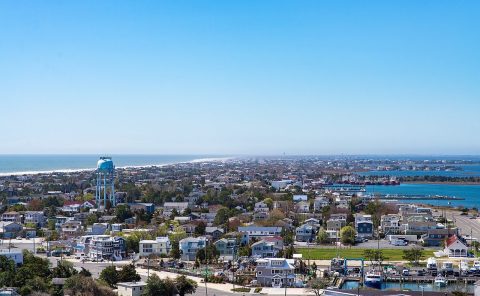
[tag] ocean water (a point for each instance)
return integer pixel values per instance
(17, 164)
(471, 170)
(413, 286)
(471, 193)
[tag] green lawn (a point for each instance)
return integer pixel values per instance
(329, 253)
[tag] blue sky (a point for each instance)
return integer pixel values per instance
(240, 77)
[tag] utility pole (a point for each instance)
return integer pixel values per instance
(206, 267)
(148, 267)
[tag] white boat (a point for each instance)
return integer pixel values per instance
(373, 279)
(432, 263)
(464, 266)
(440, 281)
(447, 266)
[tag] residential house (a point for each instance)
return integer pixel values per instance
(261, 207)
(214, 232)
(320, 202)
(75, 206)
(183, 219)
(10, 229)
(208, 217)
(189, 228)
(390, 223)
(226, 247)
(267, 247)
(60, 220)
(82, 216)
(281, 184)
(339, 216)
(305, 233)
(107, 247)
(302, 207)
(364, 225)
(257, 216)
(148, 208)
(283, 205)
(159, 246)
(258, 232)
(418, 228)
(72, 228)
(12, 217)
(455, 247)
(437, 237)
(180, 207)
(190, 245)
(336, 225)
(131, 288)
(15, 254)
(275, 272)
(299, 197)
(99, 228)
(116, 227)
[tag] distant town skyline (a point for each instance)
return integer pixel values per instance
(240, 78)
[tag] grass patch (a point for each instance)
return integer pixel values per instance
(245, 290)
(329, 253)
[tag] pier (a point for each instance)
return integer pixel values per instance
(414, 197)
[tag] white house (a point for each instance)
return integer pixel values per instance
(454, 247)
(161, 245)
(300, 197)
(261, 207)
(131, 288)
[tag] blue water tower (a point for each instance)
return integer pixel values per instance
(105, 183)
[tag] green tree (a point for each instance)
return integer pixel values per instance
(64, 269)
(156, 286)
(269, 202)
(175, 251)
(221, 217)
(7, 271)
(245, 251)
(128, 273)
(209, 253)
(322, 236)
(185, 285)
(317, 285)
(51, 224)
(91, 219)
(123, 212)
(200, 229)
(177, 234)
(374, 255)
(413, 255)
(289, 251)
(79, 285)
(347, 235)
(110, 276)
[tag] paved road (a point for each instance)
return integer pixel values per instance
(467, 225)
(371, 244)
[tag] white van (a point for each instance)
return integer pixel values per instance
(399, 242)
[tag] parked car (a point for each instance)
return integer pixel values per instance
(405, 272)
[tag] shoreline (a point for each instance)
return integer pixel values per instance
(441, 183)
(79, 170)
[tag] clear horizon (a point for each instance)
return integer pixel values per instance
(240, 78)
